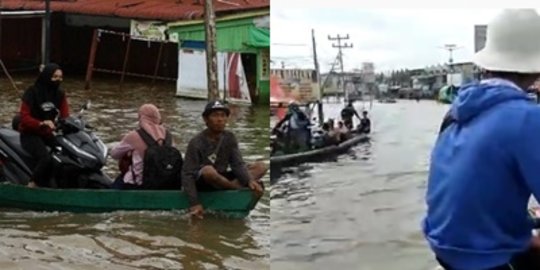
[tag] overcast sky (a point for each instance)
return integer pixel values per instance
(391, 38)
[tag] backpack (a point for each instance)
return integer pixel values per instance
(162, 163)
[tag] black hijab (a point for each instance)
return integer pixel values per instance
(44, 90)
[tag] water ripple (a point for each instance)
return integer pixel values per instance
(139, 240)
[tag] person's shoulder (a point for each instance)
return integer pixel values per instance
(62, 93)
(197, 138)
(131, 134)
(28, 92)
(229, 135)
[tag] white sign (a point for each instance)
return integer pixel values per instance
(148, 30)
(262, 22)
(192, 80)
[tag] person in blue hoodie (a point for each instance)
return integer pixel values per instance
(485, 164)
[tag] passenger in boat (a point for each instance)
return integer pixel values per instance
(347, 115)
(482, 173)
(344, 133)
(41, 104)
(298, 134)
(208, 156)
(331, 137)
(365, 123)
(132, 153)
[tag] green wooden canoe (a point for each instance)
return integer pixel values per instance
(231, 203)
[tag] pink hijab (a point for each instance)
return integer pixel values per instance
(150, 121)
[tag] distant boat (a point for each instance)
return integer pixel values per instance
(387, 100)
(287, 160)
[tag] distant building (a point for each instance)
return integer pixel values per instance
(302, 84)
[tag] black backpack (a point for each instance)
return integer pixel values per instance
(162, 163)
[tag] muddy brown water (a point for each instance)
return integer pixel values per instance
(137, 240)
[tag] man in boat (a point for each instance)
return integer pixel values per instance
(208, 156)
(41, 104)
(365, 123)
(298, 134)
(330, 136)
(483, 173)
(347, 115)
(344, 133)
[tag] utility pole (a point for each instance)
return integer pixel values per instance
(340, 55)
(211, 59)
(317, 70)
(450, 48)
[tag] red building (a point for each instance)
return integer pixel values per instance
(73, 24)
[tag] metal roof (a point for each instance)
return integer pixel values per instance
(162, 10)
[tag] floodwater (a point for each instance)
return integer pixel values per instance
(138, 240)
(363, 211)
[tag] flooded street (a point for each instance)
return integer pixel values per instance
(138, 240)
(364, 211)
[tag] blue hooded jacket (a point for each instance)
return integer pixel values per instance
(483, 170)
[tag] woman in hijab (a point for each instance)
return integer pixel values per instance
(41, 103)
(132, 148)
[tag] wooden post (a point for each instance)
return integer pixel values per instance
(211, 59)
(225, 77)
(7, 74)
(319, 103)
(47, 48)
(91, 59)
(126, 58)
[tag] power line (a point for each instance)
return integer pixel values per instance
(290, 44)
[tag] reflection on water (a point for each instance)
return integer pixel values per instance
(364, 211)
(138, 240)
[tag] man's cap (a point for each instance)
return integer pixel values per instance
(215, 106)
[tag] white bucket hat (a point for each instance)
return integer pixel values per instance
(513, 43)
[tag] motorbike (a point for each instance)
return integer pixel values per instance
(78, 154)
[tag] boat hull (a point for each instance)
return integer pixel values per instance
(232, 203)
(317, 154)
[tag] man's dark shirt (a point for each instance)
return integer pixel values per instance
(198, 153)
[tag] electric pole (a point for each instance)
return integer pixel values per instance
(450, 48)
(211, 59)
(340, 56)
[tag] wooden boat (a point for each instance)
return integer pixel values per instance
(388, 100)
(231, 203)
(317, 154)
